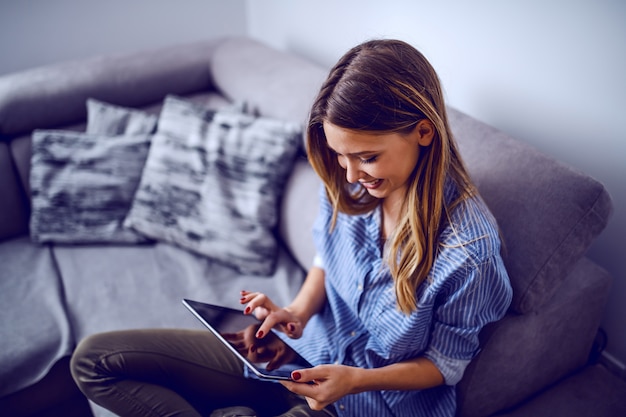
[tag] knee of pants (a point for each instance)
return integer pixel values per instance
(85, 359)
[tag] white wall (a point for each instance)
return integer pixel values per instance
(38, 32)
(551, 73)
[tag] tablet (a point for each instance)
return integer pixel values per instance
(237, 332)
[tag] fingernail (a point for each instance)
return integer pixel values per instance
(259, 334)
(291, 327)
(296, 376)
(247, 310)
(242, 299)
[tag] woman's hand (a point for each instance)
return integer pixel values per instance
(270, 349)
(324, 384)
(271, 315)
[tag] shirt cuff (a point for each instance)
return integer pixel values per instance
(318, 262)
(451, 369)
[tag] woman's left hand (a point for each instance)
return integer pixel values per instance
(323, 385)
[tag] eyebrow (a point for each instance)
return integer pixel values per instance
(357, 154)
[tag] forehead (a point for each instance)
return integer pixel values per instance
(346, 141)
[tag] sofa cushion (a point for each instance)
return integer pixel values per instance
(212, 181)
(109, 119)
(548, 213)
(524, 354)
(110, 287)
(35, 330)
(82, 186)
(300, 205)
(277, 84)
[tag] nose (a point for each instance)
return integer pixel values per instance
(353, 173)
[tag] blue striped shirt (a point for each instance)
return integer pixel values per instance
(361, 325)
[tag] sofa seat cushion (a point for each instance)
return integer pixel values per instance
(35, 331)
(117, 287)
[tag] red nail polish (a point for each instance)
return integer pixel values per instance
(259, 334)
(296, 376)
(247, 310)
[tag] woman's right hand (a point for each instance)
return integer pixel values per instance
(271, 315)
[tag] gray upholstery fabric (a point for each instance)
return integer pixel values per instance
(524, 353)
(55, 95)
(148, 283)
(299, 209)
(517, 183)
(13, 211)
(35, 329)
(592, 392)
(289, 84)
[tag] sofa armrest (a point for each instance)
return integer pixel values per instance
(523, 354)
(14, 208)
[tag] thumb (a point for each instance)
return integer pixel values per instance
(306, 375)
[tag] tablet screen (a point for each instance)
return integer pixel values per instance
(267, 358)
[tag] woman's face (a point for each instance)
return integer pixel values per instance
(381, 163)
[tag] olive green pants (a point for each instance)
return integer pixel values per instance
(174, 373)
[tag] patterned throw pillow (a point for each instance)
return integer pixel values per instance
(109, 119)
(83, 185)
(212, 183)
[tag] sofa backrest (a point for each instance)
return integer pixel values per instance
(548, 213)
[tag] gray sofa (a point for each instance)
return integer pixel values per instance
(534, 362)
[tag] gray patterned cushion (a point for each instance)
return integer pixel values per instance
(83, 184)
(212, 181)
(108, 119)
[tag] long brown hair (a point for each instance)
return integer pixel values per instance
(388, 86)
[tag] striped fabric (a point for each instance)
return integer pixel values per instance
(468, 287)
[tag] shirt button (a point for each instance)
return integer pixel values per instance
(353, 333)
(359, 287)
(342, 407)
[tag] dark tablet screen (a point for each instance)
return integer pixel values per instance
(267, 358)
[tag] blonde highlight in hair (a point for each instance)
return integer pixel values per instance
(388, 86)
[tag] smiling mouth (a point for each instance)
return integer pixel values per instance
(371, 185)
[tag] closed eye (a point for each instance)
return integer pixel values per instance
(369, 160)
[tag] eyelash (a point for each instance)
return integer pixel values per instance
(369, 160)
(363, 161)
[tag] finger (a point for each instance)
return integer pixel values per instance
(315, 405)
(267, 325)
(259, 300)
(293, 330)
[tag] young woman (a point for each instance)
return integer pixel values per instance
(408, 271)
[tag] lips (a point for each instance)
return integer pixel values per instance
(372, 185)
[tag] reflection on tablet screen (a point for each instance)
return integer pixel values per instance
(269, 357)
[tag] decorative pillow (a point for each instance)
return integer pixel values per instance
(212, 182)
(109, 119)
(83, 185)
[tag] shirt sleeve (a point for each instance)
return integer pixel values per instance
(483, 296)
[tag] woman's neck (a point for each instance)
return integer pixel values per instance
(390, 217)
